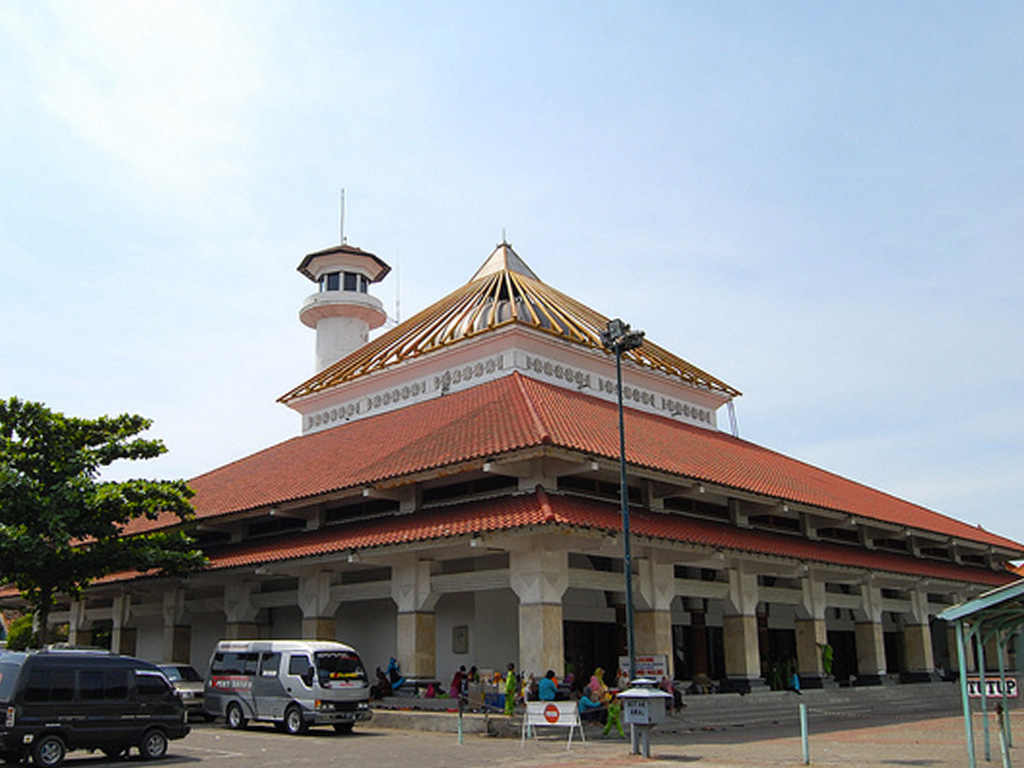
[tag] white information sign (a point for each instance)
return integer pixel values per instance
(653, 666)
(993, 689)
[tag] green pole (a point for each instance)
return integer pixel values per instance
(803, 734)
(961, 647)
(979, 643)
(1003, 640)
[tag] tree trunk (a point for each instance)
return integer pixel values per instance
(43, 615)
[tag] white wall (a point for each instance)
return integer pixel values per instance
(371, 627)
(207, 630)
(285, 623)
(494, 634)
(453, 611)
(149, 639)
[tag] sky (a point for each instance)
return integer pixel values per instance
(821, 203)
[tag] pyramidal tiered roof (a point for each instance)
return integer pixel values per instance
(503, 292)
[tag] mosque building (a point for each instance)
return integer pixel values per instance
(453, 499)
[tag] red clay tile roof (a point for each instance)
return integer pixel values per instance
(541, 509)
(517, 412)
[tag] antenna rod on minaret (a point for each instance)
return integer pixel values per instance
(342, 225)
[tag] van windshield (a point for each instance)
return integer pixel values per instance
(339, 665)
(8, 676)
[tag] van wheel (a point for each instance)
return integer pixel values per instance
(153, 745)
(344, 727)
(49, 751)
(294, 723)
(234, 718)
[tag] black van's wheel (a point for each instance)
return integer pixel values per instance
(49, 751)
(234, 717)
(153, 745)
(344, 727)
(294, 723)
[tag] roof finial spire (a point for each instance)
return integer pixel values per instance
(342, 223)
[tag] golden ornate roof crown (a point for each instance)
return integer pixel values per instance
(502, 292)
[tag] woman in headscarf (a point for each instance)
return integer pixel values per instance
(598, 690)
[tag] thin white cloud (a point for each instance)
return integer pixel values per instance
(163, 90)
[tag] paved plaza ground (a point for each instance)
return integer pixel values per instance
(933, 743)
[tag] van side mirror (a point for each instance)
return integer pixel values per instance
(307, 677)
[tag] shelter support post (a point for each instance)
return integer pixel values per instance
(961, 648)
(979, 643)
(1004, 713)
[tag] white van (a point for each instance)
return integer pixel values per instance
(291, 683)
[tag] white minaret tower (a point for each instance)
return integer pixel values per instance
(342, 312)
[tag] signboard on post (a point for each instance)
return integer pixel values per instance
(993, 688)
(653, 666)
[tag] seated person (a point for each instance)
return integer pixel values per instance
(590, 709)
(547, 688)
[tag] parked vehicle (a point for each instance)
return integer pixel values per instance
(189, 685)
(291, 683)
(56, 701)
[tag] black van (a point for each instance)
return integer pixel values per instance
(55, 701)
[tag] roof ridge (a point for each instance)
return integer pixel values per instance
(544, 434)
(545, 505)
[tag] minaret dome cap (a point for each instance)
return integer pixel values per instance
(344, 256)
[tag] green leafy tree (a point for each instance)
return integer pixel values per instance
(61, 527)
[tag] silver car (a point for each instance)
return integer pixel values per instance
(189, 685)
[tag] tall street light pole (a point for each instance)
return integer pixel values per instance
(619, 338)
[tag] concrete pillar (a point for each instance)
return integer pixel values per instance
(653, 632)
(917, 640)
(78, 625)
(417, 644)
(870, 637)
(656, 589)
(239, 611)
(739, 628)
(417, 626)
(811, 632)
(870, 653)
(541, 638)
(811, 635)
(539, 578)
(742, 658)
(317, 606)
(122, 638)
(177, 639)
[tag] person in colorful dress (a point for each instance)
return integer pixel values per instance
(510, 689)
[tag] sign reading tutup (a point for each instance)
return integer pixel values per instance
(993, 689)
